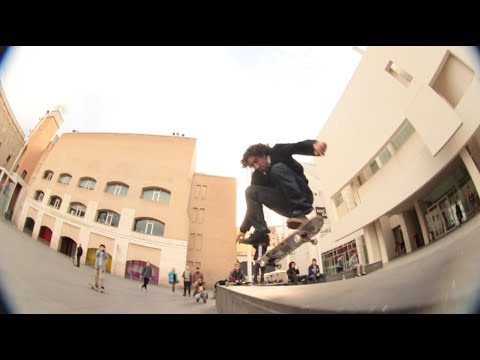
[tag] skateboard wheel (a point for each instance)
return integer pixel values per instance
(314, 241)
(262, 263)
(279, 266)
(297, 238)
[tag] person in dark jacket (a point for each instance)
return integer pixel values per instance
(294, 274)
(187, 281)
(146, 274)
(236, 276)
(314, 274)
(79, 254)
(279, 183)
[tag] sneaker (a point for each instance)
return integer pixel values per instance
(204, 301)
(364, 273)
(198, 300)
(184, 295)
(359, 275)
(256, 238)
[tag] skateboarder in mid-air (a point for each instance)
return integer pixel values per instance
(279, 183)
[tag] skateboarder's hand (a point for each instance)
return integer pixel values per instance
(319, 148)
(240, 236)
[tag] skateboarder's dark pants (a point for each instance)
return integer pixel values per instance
(260, 250)
(145, 282)
(291, 193)
(78, 260)
(186, 285)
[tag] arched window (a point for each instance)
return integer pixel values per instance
(149, 226)
(108, 217)
(39, 195)
(64, 179)
(47, 175)
(55, 202)
(77, 209)
(156, 194)
(87, 183)
(117, 188)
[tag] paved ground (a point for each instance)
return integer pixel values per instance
(443, 277)
(38, 280)
(440, 278)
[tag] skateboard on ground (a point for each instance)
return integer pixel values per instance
(292, 242)
(96, 289)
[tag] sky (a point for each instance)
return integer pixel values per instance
(228, 98)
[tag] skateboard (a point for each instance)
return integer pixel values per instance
(96, 289)
(292, 242)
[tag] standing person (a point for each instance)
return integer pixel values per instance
(458, 210)
(200, 292)
(279, 183)
(197, 275)
(187, 281)
(173, 279)
(146, 274)
(79, 254)
(472, 199)
(101, 257)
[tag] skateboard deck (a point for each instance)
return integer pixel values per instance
(292, 242)
(96, 289)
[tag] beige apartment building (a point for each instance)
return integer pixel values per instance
(403, 154)
(136, 194)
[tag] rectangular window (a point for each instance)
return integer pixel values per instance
(403, 136)
(149, 228)
(109, 219)
(338, 200)
(118, 189)
(385, 156)
(195, 215)
(374, 167)
(191, 241)
(24, 174)
(201, 216)
(204, 192)
(198, 242)
(398, 73)
(197, 191)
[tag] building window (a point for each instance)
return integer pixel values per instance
(385, 156)
(8, 158)
(156, 194)
(117, 189)
(149, 227)
(191, 241)
(47, 175)
(197, 191)
(108, 217)
(374, 167)
(77, 209)
(39, 196)
(201, 216)
(64, 179)
(87, 183)
(403, 136)
(398, 73)
(195, 215)
(198, 242)
(338, 200)
(204, 192)
(55, 202)
(24, 174)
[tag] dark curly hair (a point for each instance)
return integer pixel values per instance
(254, 150)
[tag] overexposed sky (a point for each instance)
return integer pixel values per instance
(226, 97)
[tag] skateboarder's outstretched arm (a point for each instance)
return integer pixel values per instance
(307, 147)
